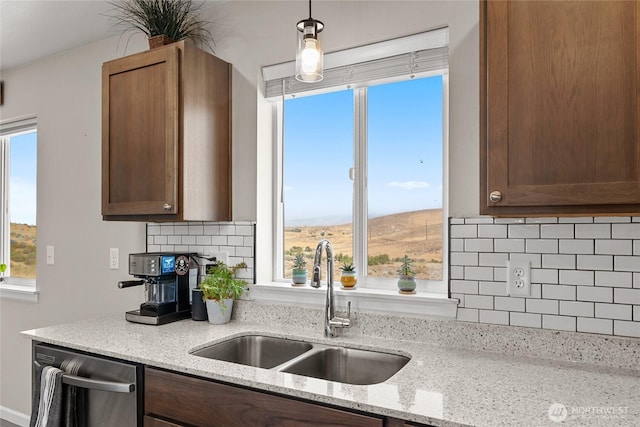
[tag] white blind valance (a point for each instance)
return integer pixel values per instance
(416, 54)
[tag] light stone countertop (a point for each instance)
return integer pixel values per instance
(439, 386)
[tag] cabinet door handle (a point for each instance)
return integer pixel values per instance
(167, 207)
(495, 196)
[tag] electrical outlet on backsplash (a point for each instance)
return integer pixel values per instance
(585, 272)
(229, 242)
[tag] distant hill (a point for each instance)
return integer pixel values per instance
(417, 234)
(23, 250)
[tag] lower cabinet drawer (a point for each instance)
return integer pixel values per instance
(204, 403)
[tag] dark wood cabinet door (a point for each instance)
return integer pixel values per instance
(560, 106)
(140, 134)
(200, 402)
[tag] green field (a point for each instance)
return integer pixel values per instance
(23, 251)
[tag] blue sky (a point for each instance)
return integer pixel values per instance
(405, 152)
(22, 194)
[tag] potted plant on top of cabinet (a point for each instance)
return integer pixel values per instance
(163, 21)
(220, 288)
(407, 280)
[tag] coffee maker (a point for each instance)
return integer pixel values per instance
(168, 279)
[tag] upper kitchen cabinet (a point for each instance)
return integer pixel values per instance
(166, 136)
(559, 107)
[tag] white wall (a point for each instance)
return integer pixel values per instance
(64, 92)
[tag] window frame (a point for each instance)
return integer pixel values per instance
(359, 221)
(12, 287)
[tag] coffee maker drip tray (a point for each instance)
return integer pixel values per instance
(136, 317)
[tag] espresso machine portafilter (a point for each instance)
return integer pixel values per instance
(168, 279)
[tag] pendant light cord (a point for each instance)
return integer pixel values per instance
(309, 9)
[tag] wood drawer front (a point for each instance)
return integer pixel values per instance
(207, 403)
(157, 422)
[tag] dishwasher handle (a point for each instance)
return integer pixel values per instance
(92, 384)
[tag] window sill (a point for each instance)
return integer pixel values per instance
(18, 292)
(421, 304)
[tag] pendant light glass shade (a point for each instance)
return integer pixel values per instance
(309, 55)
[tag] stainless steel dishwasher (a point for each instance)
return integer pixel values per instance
(109, 392)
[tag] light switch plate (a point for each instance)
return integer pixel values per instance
(114, 259)
(50, 255)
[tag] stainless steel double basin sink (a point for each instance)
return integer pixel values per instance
(324, 361)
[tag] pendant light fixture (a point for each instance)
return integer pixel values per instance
(309, 55)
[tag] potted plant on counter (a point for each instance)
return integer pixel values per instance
(348, 276)
(163, 21)
(407, 279)
(220, 288)
(299, 270)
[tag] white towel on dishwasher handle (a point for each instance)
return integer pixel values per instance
(47, 406)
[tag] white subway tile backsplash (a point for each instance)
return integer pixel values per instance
(528, 320)
(576, 220)
(626, 296)
(576, 277)
(529, 231)
(196, 229)
(561, 323)
(188, 240)
(543, 246)
(557, 231)
(160, 240)
(613, 311)
(166, 229)
(479, 301)
(541, 275)
(558, 261)
(627, 329)
(627, 263)
(617, 279)
(219, 240)
(456, 245)
(625, 231)
(494, 231)
(203, 240)
(493, 288)
(235, 241)
(595, 294)
(559, 292)
(509, 245)
(153, 230)
(174, 240)
(467, 314)
(595, 262)
(478, 245)
(541, 306)
(244, 230)
(464, 231)
(577, 308)
(463, 258)
(593, 231)
(227, 230)
(508, 303)
(478, 273)
(575, 246)
(595, 326)
(243, 251)
(614, 247)
(568, 256)
(492, 259)
(495, 317)
(535, 260)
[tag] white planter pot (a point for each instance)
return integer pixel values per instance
(216, 315)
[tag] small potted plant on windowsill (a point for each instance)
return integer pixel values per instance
(220, 288)
(3, 268)
(407, 279)
(348, 277)
(299, 270)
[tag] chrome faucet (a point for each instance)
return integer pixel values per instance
(330, 321)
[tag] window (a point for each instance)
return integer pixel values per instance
(360, 160)
(18, 146)
(375, 194)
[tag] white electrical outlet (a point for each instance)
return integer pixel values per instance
(114, 259)
(519, 278)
